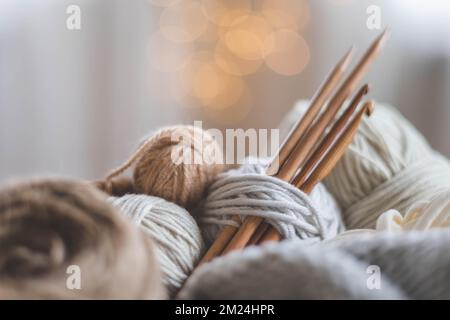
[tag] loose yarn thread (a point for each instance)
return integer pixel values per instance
(389, 165)
(247, 191)
(47, 225)
(177, 239)
(198, 160)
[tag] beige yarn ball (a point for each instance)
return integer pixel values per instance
(156, 173)
(176, 163)
(50, 228)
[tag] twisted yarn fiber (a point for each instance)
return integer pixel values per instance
(389, 165)
(247, 191)
(183, 181)
(177, 240)
(47, 225)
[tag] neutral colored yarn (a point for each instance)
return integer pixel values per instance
(413, 265)
(47, 225)
(177, 240)
(156, 173)
(423, 215)
(247, 191)
(389, 165)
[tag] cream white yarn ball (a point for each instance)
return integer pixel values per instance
(177, 239)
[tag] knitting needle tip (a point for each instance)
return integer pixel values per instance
(369, 106)
(384, 36)
(365, 89)
(345, 61)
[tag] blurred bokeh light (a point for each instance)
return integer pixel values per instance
(183, 22)
(241, 36)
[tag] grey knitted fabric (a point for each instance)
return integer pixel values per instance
(413, 265)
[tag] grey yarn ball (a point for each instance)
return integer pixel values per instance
(177, 239)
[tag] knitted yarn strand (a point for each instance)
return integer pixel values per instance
(249, 192)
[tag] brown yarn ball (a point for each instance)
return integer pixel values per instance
(157, 174)
(47, 225)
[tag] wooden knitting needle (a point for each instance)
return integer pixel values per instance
(324, 145)
(259, 233)
(330, 160)
(328, 140)
(323, 93)
(317, 102)
(250, 224)
(337, 151)
(224, 237)
(307, 142)
(304, 146)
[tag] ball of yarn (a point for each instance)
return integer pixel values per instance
(247, 191)
(389, 165)
(176, 236)
(48, 226)
(177, 164)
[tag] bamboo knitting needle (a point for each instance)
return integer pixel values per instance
(225, 235)
(317, 102)
(328, 140)
(315, 158)
(337, 151)
(259, 233)
(304, 146)
(251, 224)
(320, 97)
(328, 162)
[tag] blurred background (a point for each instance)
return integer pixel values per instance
(77, 102)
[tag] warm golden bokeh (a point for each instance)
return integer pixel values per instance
(233, 90)
(164, 3)
(166, 55)
(245, 37)
(235, 112)
(213, 45)
(202, 82)
(287, 52)
(225, 12)
(232, 64)
(286, 14)
(183, 22)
